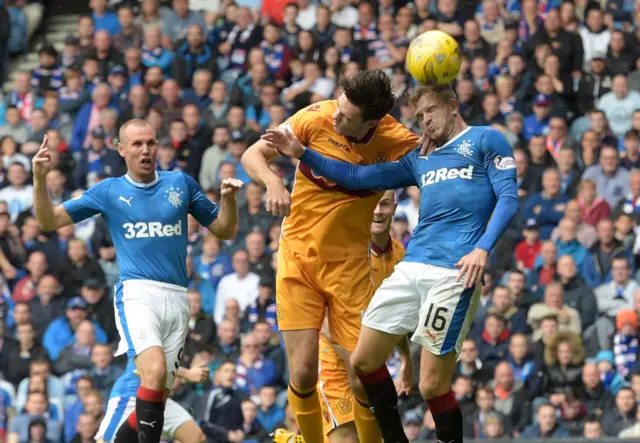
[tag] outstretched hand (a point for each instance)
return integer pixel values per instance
(284, 142)
(41, 162)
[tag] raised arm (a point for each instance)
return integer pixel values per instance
(49, 218)
(390, 175)
(221, 220)
(255, 162)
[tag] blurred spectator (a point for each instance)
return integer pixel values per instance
(622, 416)
(241, 285)
(597, 398)
(554, 304)
(547, 426)
(202, 329)
(548, 206)
(219, 411)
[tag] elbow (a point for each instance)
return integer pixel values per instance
(226, 234)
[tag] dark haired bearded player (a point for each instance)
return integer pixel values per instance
(323, 261)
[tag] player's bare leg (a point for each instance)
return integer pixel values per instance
(144, 425)
(189, 432)
(302, 355)
(345, 433)
(436, 372)
(368, 361)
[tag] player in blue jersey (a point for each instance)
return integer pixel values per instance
(468, 196)
(146, 214)
(178, 423)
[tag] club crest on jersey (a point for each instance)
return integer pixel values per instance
(464, 148)
(174, 195)
(381, 157)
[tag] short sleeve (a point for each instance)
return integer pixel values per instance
(301, 124)
(203, 209)
(90, 203)
(407, 144)
(498, 157)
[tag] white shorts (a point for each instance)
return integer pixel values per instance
(426, 300)
(149, 313)
(119, 409)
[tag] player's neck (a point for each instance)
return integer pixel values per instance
(381, 241)
(458, 126)
(144, 179)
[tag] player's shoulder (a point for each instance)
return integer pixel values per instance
(486, 136)
(398, 249)
(176, 178)
(395, 137)
(316, 112)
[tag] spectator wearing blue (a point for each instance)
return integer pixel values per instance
(103, 19)
(48, 75)
(269, 413)
(236, 147)
(264, 308)
(20, 429)
(192, 54)
(567, 242)
(97, 158)
(547, 427)
(178, 21)
(547, 207)
(84, 385)
(60, 332)
(520, 359)
(598, 263)
(153, 54)
(253, 370)
(119, 86)
(538, 122)
(211, 266)
(611, 179)
(89, 117)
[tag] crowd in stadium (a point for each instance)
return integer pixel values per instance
(553, 350)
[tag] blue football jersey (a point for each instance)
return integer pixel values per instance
(127, 384)
(147, 222)
(457, 195)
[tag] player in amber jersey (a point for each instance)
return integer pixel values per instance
(323, 262)
(340, 409)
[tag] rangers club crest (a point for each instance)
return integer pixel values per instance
(174, 195)
(464, 148)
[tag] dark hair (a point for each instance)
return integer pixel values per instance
(371, 92)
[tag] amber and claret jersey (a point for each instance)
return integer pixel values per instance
(326, 220)
(382, 264)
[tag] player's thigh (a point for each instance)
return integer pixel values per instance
(299, 302)
(447, 310)
(175, 332)
(348, 289)
(179, 424)
(392, 314)
(138, 319)
(118, 409)
(336, 399)
(346, 433)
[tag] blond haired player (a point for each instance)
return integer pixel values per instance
(338, 402)
(323, 262)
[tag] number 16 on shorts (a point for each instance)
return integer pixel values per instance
(444, 323)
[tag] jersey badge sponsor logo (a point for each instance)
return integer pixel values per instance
(151, 230)
(444, 174)
(464, 148)
(430, 334)
(313, 108)
(279, 311)
(127, 201)
(338, 144)
(343, 406)
(381, 157)
(174, 195)
(504, 163)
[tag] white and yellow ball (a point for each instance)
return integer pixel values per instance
(433, 58)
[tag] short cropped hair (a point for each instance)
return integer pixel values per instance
(445, 93)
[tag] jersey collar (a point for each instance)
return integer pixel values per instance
(375, 250)
(364, 140)
(460, 134)
(140, 184)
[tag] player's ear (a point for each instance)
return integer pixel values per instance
(121, 149)
(455, 107)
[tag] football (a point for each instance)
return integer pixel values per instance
(433, 58)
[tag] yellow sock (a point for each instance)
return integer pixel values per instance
(366, 424)
(306, 409)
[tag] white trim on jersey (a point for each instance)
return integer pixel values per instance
(140, 184)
